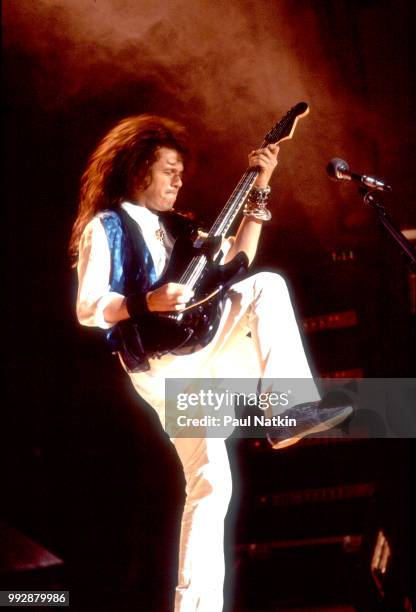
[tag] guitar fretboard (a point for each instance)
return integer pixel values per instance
(282, 130)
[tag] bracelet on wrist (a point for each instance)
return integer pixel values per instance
(256, 205)
(259, 194)
(136, 304)
(261, 214)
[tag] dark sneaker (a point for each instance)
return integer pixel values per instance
(310, 419)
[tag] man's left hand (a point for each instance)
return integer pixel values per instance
(266, 161)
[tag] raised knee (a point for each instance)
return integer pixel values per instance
(271, 283)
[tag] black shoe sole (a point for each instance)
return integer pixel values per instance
(322, 426)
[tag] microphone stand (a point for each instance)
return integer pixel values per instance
(372, 198)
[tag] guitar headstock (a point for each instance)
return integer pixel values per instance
(284, 129)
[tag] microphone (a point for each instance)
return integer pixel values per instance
(339, 170)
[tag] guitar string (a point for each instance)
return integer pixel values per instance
(198, 262)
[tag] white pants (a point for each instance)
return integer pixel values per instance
(261, 305)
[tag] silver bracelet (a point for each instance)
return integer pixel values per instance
(256, 204)
(259, 195)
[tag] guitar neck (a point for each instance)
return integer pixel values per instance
(281, 131)
(234, 203)
(222, 223)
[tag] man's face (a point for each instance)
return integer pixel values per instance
(165, 181)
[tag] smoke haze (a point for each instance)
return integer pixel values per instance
(232, 67)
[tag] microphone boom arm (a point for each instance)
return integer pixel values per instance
(371, 197)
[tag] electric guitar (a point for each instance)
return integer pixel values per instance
(192, 263)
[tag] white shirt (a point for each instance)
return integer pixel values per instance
(94, 263)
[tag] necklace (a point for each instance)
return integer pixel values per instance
(160, 235)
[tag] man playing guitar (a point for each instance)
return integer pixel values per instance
(123, 239)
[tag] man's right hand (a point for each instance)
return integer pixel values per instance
(169, 297)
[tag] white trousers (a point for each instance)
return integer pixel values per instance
(261, 305)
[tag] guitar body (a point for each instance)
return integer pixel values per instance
(195, 326)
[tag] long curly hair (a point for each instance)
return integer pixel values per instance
(121, 162)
